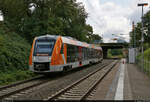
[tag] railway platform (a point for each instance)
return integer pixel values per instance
(124, 82)
(110, 80)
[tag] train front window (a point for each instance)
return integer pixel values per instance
(44, 47)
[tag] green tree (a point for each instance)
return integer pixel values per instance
(59, 17)
(138, 31)
(95, 38)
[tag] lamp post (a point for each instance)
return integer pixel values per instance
(142, 39)
(134, 41)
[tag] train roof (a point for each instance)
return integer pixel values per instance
(72, 41)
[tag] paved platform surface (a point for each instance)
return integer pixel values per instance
(103, 88)
(124, 82)
(139, 82)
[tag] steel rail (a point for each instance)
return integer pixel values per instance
(5, 94)
(11, 90)
(20, 82)
(63, 91)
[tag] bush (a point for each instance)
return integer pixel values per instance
(14, 51)
(146, 55)
(15, 75)
(14, 57)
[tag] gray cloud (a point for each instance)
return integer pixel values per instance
(109, 17)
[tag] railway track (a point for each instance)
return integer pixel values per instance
(8, 90)
(13, 91)
(83, 87)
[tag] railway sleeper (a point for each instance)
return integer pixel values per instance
(80, 89)
(75, 91)
(73, 94)
(68, 98)
(8, 99)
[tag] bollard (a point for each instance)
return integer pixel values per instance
(123, 61)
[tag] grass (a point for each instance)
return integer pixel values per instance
(118, 53)
(146, 65)
(146, 61)
(14, 76)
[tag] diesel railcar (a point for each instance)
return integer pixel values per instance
(50, 53)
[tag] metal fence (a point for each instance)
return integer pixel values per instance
(146, 68)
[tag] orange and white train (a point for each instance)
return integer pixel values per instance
(51, 53)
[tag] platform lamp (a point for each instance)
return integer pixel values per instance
(142, 39)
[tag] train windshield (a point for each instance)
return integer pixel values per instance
(44, 47)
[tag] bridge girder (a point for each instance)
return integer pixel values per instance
(106, 46)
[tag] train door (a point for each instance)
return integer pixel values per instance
(80, 55)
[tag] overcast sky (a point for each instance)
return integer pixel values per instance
(109, 17)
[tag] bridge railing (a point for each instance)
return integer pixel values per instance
(146, 68)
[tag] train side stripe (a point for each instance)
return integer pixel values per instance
(65, 52)
(63, 58)
(31, 52)
(56, 56)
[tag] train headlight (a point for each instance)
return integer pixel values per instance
(50, 58)
(34, 58)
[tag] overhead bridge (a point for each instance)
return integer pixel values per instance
(106, 46)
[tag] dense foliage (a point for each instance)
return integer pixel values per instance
(115, 53)
(146, 55)
(14, 54)
(14, 51)
(146, 61)
(31, 18)
(25, 19)
(138, 31)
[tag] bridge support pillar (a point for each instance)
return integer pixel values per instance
(105, 53)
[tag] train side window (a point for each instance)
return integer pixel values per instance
(88, 53)
(76, 53)
(62, 47)
(85, 54)
(71, 53)
(68, 53)
(87, 49)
